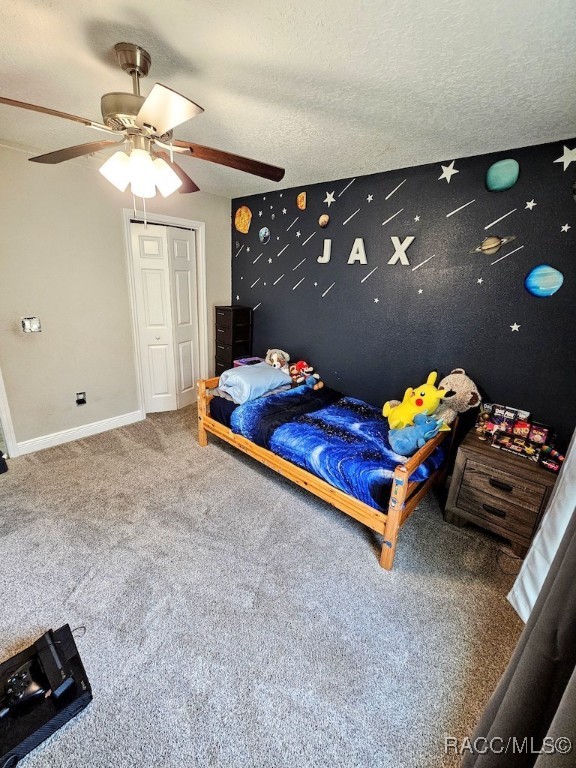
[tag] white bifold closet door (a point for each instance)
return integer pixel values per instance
(164, 268)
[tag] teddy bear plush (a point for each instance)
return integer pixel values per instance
(277, 358)
(461, 394)
(303, 373)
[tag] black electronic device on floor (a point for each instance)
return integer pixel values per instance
(41, 689)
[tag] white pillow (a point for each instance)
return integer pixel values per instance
(247, 382)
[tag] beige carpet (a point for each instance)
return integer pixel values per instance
(233, 620)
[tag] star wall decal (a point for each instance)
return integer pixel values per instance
(259, 213)
(416, 218)
(329, 198)
(448, 171)
(370, 198)
(376, 300)
(248, 249)
(315, 285)
(237, 298)
(568, 156)
(480, 280)
(284, 211)
(566, 227)
(269, 261)
(298, 233)
(515, 327)
(530, 204)
(420, 290)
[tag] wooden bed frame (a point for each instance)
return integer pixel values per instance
(405, 494)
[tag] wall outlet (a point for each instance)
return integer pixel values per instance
(80, 398)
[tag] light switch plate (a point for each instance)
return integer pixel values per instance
(31, 324)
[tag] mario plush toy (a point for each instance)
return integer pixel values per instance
(303, 373)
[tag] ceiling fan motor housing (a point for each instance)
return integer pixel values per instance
(119, 110)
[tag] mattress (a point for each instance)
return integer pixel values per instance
(339, 439)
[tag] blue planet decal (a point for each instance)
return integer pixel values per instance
(502, 175)
(543, 281)
(264, 235)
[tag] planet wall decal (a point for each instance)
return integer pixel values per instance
(502, 175)
(242, 219)
(492, 244)
(324, 220)
(264, 235)
(543, 281)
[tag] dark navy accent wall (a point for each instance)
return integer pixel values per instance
(372, 329)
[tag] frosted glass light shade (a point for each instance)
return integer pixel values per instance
(117, 170)
(142, 174)
(166, 179)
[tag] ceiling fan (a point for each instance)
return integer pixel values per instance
(144, 126)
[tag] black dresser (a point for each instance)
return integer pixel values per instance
(233, 336)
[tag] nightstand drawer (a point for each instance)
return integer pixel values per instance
(226, 316)
(220, 367)
(226, 353)
(502, 485)
(501, 514)
(232, 333)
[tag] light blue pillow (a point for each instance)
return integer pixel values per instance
(247, 382)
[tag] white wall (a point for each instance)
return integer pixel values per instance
(62, 258)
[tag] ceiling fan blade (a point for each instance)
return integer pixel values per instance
(55, 113)
(60, 155)
(187, 184)
(272, 172)
(164, 109)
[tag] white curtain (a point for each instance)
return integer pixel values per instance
(561, 507)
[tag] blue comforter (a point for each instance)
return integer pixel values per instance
(340, 439)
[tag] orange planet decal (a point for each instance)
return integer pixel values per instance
(242, 219)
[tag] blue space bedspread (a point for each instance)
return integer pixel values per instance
(340, 439)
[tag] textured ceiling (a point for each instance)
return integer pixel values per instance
(327, 89)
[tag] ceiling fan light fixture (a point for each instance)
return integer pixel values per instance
(166, 180)
(142, 174)
(117, 170)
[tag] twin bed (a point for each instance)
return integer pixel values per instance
(336, 447)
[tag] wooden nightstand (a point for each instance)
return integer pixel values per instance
(503, 493)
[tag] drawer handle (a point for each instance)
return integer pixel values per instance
(499, 484)
(494, 510)
(221, 313)
(220, 346)
(220, 330)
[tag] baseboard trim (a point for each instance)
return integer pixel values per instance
(77, 433)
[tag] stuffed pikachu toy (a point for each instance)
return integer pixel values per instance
(424, 399)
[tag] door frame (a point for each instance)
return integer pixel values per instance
(199, 227)
(6, 422)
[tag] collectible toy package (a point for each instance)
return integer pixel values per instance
(518, 445)
(482, 420)
(538, 433)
